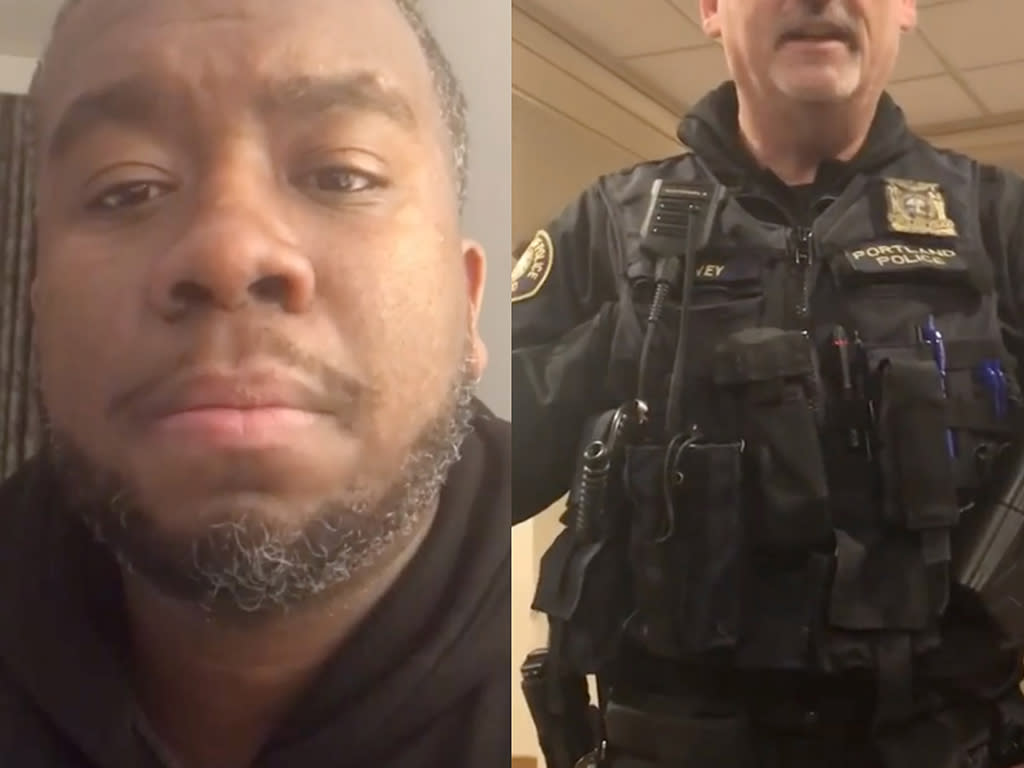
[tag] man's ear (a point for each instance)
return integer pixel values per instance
(709, 18)
(475, 265)
(908, 14)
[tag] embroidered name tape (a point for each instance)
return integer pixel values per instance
(731, 271)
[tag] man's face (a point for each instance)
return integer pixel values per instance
(255, 318)
(816, 51)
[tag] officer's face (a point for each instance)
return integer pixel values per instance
(255, 317)
(816, 51)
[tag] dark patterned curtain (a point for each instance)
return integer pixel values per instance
(18, 419)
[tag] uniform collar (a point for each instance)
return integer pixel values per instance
(711, 130)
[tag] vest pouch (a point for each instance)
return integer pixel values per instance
(684, 546)
(915, 449)
(658, 558)
(784, 613)
(894, 576)
(580, 586)
(771, 377)
(583, 591)
(919, 500)
(705, 507)
(982, 408)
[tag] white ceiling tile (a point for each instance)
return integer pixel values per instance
(690, 8)
(980, 40)
(934, 100)
(975, 33)
(684, 76)
(998, 87)
(622, 28)
(917, 59)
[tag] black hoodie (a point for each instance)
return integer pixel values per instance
(423, 683)
(710, 130)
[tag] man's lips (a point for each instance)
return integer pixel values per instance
(239, 427)
(818, 33)
(243, 408)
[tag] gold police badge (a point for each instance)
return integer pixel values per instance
(532, 269)
(917, 208)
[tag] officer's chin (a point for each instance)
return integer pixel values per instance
(817, 86)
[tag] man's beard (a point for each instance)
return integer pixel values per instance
(246, 566)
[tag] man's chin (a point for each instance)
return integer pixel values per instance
(819, 87)
(279, 480)
(246, 551)
(249, 554)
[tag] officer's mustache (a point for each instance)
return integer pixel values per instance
(817, 20)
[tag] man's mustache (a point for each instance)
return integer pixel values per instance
(827, 19)
(328, 388)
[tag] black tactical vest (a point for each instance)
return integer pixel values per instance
(848, 391)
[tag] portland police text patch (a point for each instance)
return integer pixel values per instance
(895, 257)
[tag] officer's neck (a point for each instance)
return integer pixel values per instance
(793, 139)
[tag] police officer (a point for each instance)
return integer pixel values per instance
(777, 375)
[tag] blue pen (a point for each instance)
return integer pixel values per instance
(931, 335)
(994, 381)
(1003, 398)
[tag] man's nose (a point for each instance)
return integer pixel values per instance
(816, 6)
(236, 252)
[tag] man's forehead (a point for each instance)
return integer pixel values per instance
(234, 42)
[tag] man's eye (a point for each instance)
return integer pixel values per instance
(340, 180)
(128, 195)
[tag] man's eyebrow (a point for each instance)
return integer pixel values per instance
(359, 92)
(135, 101)
(149, 103)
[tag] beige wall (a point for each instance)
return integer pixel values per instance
(15, 73)
(553, 158)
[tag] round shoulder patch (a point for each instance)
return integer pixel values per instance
(532, 270)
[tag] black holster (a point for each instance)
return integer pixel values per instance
(561, 711)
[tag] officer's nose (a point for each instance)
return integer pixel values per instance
(236, 252)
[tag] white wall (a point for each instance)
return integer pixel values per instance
(476, 37)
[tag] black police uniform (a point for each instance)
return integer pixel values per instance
(763, 570)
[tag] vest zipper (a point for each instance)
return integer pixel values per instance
(803, 256)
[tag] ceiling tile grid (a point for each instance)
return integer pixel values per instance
(963, 64)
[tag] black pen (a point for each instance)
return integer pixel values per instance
(861, 376)
(842, 346)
